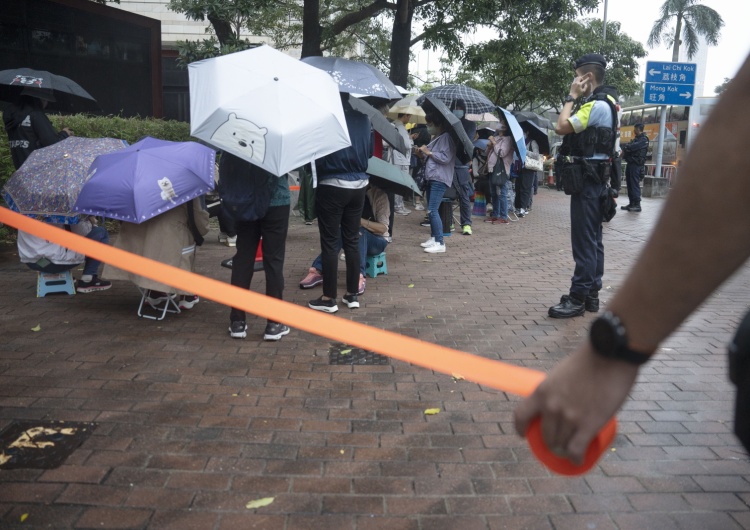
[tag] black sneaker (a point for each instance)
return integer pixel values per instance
(227, 263)
(425, 223)
(238, 329)
(567, 308)
(327, 306)
(95, 284)
(275, 330)
(351, 301)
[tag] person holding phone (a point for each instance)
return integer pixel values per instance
(584, 163)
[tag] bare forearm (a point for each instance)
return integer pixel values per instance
(686, 257)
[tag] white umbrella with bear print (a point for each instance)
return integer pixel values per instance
(267, 108)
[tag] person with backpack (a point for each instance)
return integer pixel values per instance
(585, 165)
(258, 204)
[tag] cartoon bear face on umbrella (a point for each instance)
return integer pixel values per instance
(242, 138)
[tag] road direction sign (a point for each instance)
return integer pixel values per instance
(680, 73)
(669, 83)
(668, 94)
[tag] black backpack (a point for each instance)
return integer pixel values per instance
(245, 189)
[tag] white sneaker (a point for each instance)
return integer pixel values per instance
(436, 248)
(232, 241)
(342, 257)
(403, 211)
(428, 243)
(222, 237)
(419, 207)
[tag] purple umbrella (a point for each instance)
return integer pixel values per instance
(146, 179)
(49, 181)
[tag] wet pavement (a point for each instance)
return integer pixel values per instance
(191, 425)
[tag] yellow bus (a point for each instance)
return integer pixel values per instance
(677, 126)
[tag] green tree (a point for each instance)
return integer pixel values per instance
(530, 67)
(722, 87)
(691, 20)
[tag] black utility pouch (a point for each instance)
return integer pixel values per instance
(572, 176)
(739, 374)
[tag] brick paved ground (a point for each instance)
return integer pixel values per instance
(193, 425)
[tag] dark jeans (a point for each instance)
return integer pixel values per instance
(586, 240)
(524, 188)
(273, 229)
(91, 265)
(369, 245)
(464, 189)
(339, 217)
(434, 198)
(633, 181)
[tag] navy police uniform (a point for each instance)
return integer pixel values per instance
(584, 163)
(634, 154)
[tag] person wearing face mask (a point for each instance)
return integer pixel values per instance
(500, 150)
(584, 163)
(461, 177)
(439, 157)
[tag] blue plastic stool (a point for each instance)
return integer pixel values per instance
(376, 265)
(54, 283)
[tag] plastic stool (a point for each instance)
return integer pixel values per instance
(54, 283)
(376, 265)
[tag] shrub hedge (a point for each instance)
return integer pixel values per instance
(129, 129)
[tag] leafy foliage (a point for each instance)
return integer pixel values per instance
(531, 66)
(691, 20)
(722, 87)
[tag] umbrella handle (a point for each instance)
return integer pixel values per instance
(561, 465)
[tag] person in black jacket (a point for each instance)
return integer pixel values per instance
(28, 127)
(634, 153)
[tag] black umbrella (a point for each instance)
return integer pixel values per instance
(66, 93)
(476, 102)
(354, 77)
(464, 146)
(538, 134)
(536, 119)
(381, 124)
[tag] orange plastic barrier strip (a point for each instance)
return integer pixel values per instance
(495, 374)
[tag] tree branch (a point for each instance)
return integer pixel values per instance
(358, 16)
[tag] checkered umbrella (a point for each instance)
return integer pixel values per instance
(476, 102)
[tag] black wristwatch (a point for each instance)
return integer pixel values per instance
(568, 99)
(610, 339)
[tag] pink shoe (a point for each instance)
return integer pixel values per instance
(362, 285)
(312, 279)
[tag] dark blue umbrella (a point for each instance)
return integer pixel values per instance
(146, 179)
(354, 77)
(516, 132)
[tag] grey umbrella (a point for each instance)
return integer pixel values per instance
(379, 122)
(355, 77)
(390, 178)
(464, 146)
(66, 93)
(533, 117)
(476, 102)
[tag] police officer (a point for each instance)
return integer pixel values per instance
(584, 163)
(634, 154)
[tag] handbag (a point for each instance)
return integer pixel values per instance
(499, 177)
(533, 161)
(419, 177)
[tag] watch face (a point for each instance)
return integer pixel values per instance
(603, 337)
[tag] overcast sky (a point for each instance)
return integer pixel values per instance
(637, 17)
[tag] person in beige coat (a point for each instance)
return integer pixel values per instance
(166, 238)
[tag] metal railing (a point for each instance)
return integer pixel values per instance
(668, 172)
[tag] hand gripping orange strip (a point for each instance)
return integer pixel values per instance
(495, 374)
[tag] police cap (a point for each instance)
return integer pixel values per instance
(590, 58)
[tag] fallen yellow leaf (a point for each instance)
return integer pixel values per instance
(432, 412)
(410, 285)
(259, 503)
(429, 316)
(457, 377)
(341, 451)
(235, 395)
(24, 517)
(38, 327)
(344, 352)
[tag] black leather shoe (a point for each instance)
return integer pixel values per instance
(626, 208)
(567, 308)
(635, 208)
(592, 303)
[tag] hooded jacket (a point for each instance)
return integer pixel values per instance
(28, 129)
